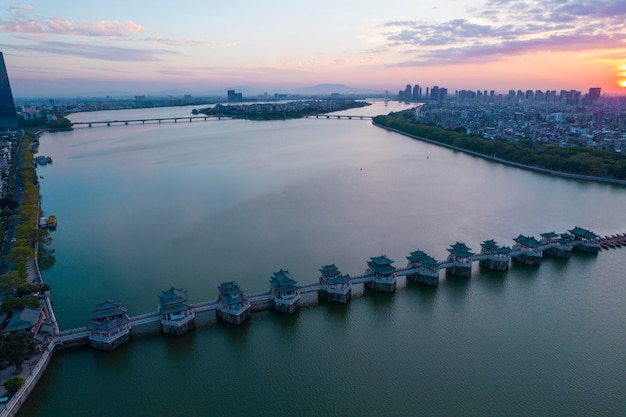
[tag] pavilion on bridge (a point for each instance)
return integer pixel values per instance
(285, 292)
(177, 317)
(498, 256)
(232, 305)
(560, 245)
(585, 240)
(529, 247)
(109, 326)
(383, 273)
(336, 286)
(461, 258)
(425, 266)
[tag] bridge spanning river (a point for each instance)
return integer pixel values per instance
(262, 300)
(191, 119)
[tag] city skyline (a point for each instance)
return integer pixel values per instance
(142, 48)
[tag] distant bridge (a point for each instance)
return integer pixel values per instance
(340, 116)
(190, 119)
(153, 120)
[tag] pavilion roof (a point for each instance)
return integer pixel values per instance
(329, 270)
(173, 301)
(282, 280)
(491, 247)
(231, 293)
(460, 249)
(549, 235)
(489, 244)
(381, 264)
(108, 309)
(229, 288)
(173, 296)
(23, 320)
(421, 257)
(583, 233)
(527, 241)
(338, 280)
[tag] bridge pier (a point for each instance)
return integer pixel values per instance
(461, 269)
(495, 264)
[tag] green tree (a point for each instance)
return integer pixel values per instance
(13, 384)
(16, 348)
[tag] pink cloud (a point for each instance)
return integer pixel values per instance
(60, 26)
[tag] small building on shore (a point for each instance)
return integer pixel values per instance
(109, 326)
(336, 287)
(284, 291)
(232, 305)
(28, 321)
(177, 317)
(383, 274)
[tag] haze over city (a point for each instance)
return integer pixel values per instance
(114, 47)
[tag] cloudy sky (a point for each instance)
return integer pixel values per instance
(135, 46)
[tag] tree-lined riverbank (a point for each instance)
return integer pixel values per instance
(579, 163)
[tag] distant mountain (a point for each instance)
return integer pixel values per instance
(323, 89)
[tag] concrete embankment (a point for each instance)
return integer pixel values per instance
(13, 405)
(504, 161)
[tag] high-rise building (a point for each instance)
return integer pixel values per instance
(594, 93)
(416, 92)
(234, 97)
(434, 93)
(8, 115)
(407, 93)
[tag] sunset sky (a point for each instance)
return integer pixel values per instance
(83, 47)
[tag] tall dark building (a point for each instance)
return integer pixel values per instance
(234, 97)
(8, 116)
(594, 93)
(416, 92)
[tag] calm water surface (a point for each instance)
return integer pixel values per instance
(145, 207)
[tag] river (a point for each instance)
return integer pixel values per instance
(145, 207)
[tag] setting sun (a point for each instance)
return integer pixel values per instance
(622, 83)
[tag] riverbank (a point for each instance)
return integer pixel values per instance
(29, 198)
(504, 161)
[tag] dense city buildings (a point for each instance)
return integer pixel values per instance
(565, 117)
(8, 116)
